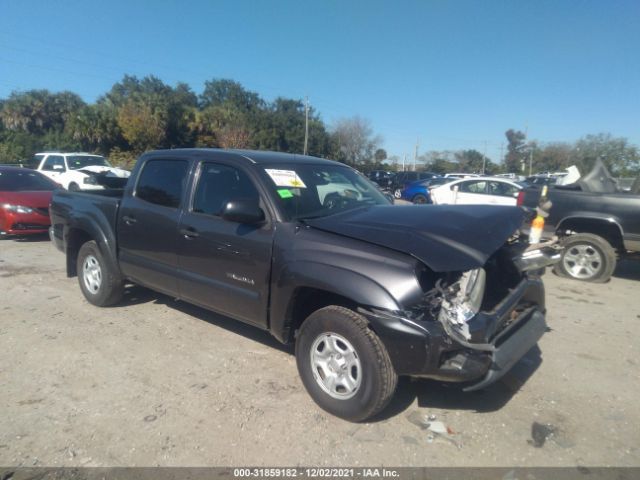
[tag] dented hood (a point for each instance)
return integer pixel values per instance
(443, 237)
(108, 171)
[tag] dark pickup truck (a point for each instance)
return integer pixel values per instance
(595, 220)
(311, 251)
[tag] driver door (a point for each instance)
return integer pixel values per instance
(223, 265)
(53, 167)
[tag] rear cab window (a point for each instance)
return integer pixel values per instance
(34, 162)
(162, 182)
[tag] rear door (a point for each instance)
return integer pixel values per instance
(225, 266)
(148, 224)
(472, 192)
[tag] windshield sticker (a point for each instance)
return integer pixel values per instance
(285, 178)
(284, 193)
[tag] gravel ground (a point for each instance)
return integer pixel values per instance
(159, 382)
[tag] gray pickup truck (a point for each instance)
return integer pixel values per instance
(596, 221)
(312, 252)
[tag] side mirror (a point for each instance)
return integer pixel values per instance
(243, 210)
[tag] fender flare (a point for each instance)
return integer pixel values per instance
(592, 216)
(330, 278)
(93, 229)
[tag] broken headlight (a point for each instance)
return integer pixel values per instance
(462, 300)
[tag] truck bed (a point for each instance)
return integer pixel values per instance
(90, 210)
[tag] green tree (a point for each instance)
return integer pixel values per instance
(39, 111)
(621, 158)
(380, 155)
(516, 151)
(354, 141)
(471, 161)
(167, 112)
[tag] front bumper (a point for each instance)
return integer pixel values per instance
(499, 339)
(24, 223)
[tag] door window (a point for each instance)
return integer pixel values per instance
(217, 185)
(54, 163)
(162, 182)
(502, 189)
(34, 162)
(473, 186)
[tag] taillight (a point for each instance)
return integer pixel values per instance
(520, 200)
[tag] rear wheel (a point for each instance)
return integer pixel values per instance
(343, 364)
(397, 193)
(419, 199)
(100, 285)
(586, 257)
(73, 186)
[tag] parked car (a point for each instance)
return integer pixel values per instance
(366, 290)
(418, 192)
(24, 201)
(461, 175)
(477, 191)
(79, 171)
(380, 176)
(596, 221)
(400, 181)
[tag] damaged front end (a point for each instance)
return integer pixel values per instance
(474, 325)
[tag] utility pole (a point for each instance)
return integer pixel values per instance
(530, 159)
(306, 123)
(404, 159)
(484, 157)
(415, 155)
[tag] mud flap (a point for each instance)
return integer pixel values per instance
(511, 350)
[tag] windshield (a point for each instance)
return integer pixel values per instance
(76, 162)
(311, 191)
(24, 181)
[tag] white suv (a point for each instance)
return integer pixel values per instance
(76, 171)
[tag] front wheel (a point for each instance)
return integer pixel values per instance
(586, 257)
(100, 285)
(73, 187)
(397, 193)
(343, 364)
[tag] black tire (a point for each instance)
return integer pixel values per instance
(397, 193)
(420, 199)
(377, 377)
(598, 256)
(110, 287)
(73, 187)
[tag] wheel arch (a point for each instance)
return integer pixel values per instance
(311, 286)
(78, 235)
(603, 226)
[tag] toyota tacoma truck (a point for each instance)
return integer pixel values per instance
(311, 251)
(596, 221)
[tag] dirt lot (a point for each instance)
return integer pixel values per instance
(159, 382)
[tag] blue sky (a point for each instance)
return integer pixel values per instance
(453, 74)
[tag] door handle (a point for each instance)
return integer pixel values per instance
(129, 220)
(189, 232)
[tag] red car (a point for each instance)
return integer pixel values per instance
(24, 201)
